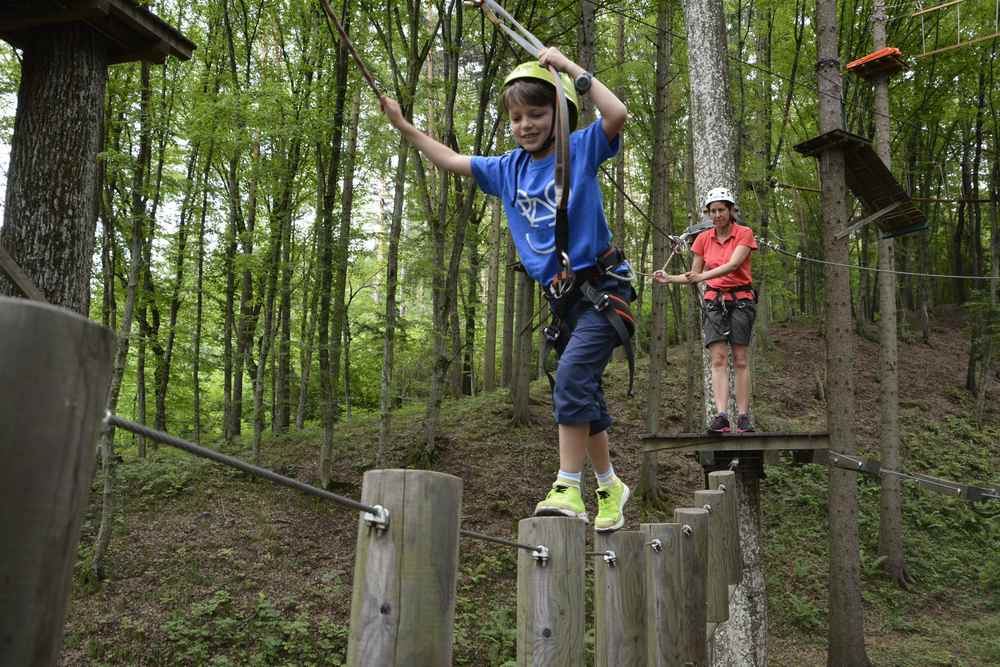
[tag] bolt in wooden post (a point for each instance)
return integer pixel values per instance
(664, 595)
(403, 603)
(693, 561)
(550, 602)
(55, 369)
(619, 600)
(716, 584)
(726, 480)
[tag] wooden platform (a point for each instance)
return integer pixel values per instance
(884, 62)
(132, 31)
(735, 442)
(884, 200)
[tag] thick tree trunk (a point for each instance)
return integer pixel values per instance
(846, 629)
(586, 40)
(50, 213)
(713, 149)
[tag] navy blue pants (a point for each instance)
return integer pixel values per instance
(578, 397)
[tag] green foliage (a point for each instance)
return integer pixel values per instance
(215, 631)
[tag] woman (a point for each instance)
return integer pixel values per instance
(722, 261)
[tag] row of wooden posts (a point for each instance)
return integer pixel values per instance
(657, 591)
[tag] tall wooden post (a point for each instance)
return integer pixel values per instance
(692, 561)
(55, 368)
(725, 481)
(550, 601)
(664, 607)
(619, 599)
(403, 603)
(716, 584)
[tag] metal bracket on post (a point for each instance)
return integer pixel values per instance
(656, 545)
(687, 530)
(610, 558)
(541, 554)
(379, 519)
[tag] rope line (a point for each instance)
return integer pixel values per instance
(270, 475)
(967, 492)
(232, 462)
(802, 258)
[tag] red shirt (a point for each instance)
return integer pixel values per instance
(715, 253)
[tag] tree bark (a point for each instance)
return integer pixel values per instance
(846, 629)
(492, 288)
(50, 214)
(890, 534)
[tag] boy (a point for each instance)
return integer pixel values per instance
(589, 331)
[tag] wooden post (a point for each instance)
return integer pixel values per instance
(716, 583)
(692, 561)
(550, 602)
(619, 599)
(725, 481)
(55, 368)
(403, 604)
(664, 609)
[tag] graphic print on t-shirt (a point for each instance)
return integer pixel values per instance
(540, 213)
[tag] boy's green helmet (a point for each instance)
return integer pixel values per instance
(534, 70)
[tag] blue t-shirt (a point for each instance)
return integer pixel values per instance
(531, 210)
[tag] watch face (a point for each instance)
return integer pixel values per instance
(582, 82)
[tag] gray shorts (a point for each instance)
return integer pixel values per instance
(730, 321)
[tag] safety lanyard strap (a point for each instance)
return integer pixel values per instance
(493, 11)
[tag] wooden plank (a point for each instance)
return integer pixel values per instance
(928, 10)
(55, 369)
(725, 481)
(693, 562)
(716, 581)
(867, 219)
(664, 594)
(403, 601)
(20, 278)
(550, 594)
(955, 46)
(46, 15)
(620, 600)
(740, 442)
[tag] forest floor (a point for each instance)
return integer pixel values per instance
(210, 567)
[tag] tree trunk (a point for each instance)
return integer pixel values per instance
(509, 306)
(138, 215)
(586, 39)
(52, 200)
(520, 383)
(890, 534)
(492, 287)
(713, 149)
(661, 213)
(846, 629)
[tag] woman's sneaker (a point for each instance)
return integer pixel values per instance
(743, 424)
(562, 500)
(611, 501)
(720, 424)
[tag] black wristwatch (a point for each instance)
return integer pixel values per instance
(582, 82)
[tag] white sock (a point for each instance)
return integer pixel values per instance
(607, 477)
(569, 478)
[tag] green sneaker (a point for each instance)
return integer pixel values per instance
(610, 504)
(562, 501)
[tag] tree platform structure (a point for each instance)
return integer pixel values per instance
(717, 451)
(884, 200)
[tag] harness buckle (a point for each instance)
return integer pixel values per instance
(551, 333)
(602, 303)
